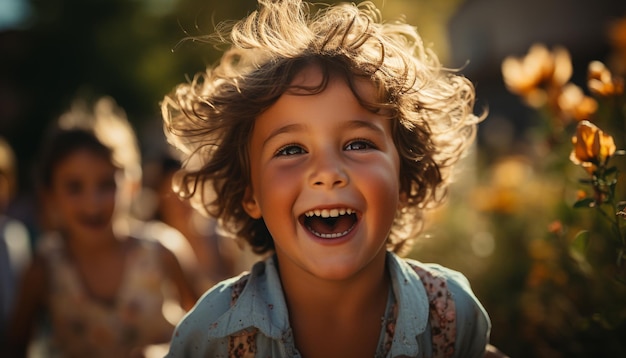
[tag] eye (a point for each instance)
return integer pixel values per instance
(360, 144)
(289, 150)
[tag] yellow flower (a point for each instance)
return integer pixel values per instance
(592, 147)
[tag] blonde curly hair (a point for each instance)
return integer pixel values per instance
(210, 118)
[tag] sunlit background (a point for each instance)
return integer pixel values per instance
(544, 301)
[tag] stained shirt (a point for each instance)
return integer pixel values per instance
(208, 329)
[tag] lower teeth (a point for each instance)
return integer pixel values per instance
(329, 236)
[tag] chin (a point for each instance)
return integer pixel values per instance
(339, 269)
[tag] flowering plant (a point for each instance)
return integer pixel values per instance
(539, 227)
(541, 78)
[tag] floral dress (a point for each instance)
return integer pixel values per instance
(86, 327)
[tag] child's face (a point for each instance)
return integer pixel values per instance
(324, 155)
(82, 194)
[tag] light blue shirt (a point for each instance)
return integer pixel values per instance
(205, 330)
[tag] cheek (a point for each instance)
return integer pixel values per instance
(387, 190)
(111, 201)
(278, 186)
(383, 188)
(62, 206)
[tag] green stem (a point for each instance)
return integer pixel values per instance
(613, 219)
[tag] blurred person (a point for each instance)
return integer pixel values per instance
(104, 290)
(15, 247)
(217, 257)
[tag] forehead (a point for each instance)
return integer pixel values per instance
(318, 100)
(85, 163)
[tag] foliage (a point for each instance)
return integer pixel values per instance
(547, 245)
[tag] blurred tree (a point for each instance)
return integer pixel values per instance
(114, 47)
(130, 50)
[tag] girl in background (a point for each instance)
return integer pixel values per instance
(103, 290)
(217, 257)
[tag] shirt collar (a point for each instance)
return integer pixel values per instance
(262, 305)
(412, 307)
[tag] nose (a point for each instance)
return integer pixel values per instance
(328, 171)
(94, 200)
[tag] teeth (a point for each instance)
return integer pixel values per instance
(332, 213)
(330, 236)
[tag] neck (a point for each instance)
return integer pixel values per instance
(340, 318)
(366, 289)
(98, 244)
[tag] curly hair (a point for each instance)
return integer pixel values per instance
(211, 117)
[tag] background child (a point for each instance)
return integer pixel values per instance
(15, 246)
(216, 257)
(322, 137)
(103, 291)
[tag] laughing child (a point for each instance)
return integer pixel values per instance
(321, 138)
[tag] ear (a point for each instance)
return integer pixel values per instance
(250, 205)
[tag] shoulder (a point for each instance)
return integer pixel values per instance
(218, 299)
(193, 329)
(149, 248)
(457, 283)
(455, 279)
(430, 272)
(233, 305)
(472, 321)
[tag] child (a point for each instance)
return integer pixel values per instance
(103, 291)
(322, 137)
(215, 256)
(15, 250)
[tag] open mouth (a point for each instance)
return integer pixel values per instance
(329, 223)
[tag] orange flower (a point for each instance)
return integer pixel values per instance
(556, 227)
(601, 82)
(529, 76)
(592, 147)
(617, 34)
(573, 103)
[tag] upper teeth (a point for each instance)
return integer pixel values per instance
(329, 213)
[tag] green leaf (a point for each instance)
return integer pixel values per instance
(581, 242)
(610, 170)
(584, 203)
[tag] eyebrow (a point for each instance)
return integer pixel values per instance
(360, 123)
(285, 129)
